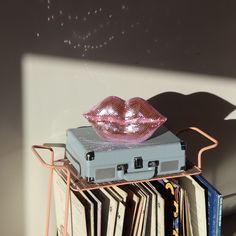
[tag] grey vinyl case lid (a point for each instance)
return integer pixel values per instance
(91, 155)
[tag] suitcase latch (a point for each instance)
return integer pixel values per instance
(123, 167)
(90, 156)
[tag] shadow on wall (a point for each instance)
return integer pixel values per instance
(207, 112)
(169, 35)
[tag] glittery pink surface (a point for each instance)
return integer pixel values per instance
(116, 120)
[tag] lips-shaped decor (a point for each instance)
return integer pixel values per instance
(130, 121)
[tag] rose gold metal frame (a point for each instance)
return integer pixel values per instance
(199, 156)
(76, 183)
(53, 165)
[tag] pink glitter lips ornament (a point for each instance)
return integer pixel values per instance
(130, 121)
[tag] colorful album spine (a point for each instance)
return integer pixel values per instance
(170, 192)
(214, 206)
(219, 220)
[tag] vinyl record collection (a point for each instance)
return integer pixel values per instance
(187, 206)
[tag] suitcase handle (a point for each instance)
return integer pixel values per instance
(139, 175)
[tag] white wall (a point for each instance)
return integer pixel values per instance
(57, 91)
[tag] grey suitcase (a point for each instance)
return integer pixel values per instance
(101, 161)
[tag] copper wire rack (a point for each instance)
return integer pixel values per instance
(75, 182)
